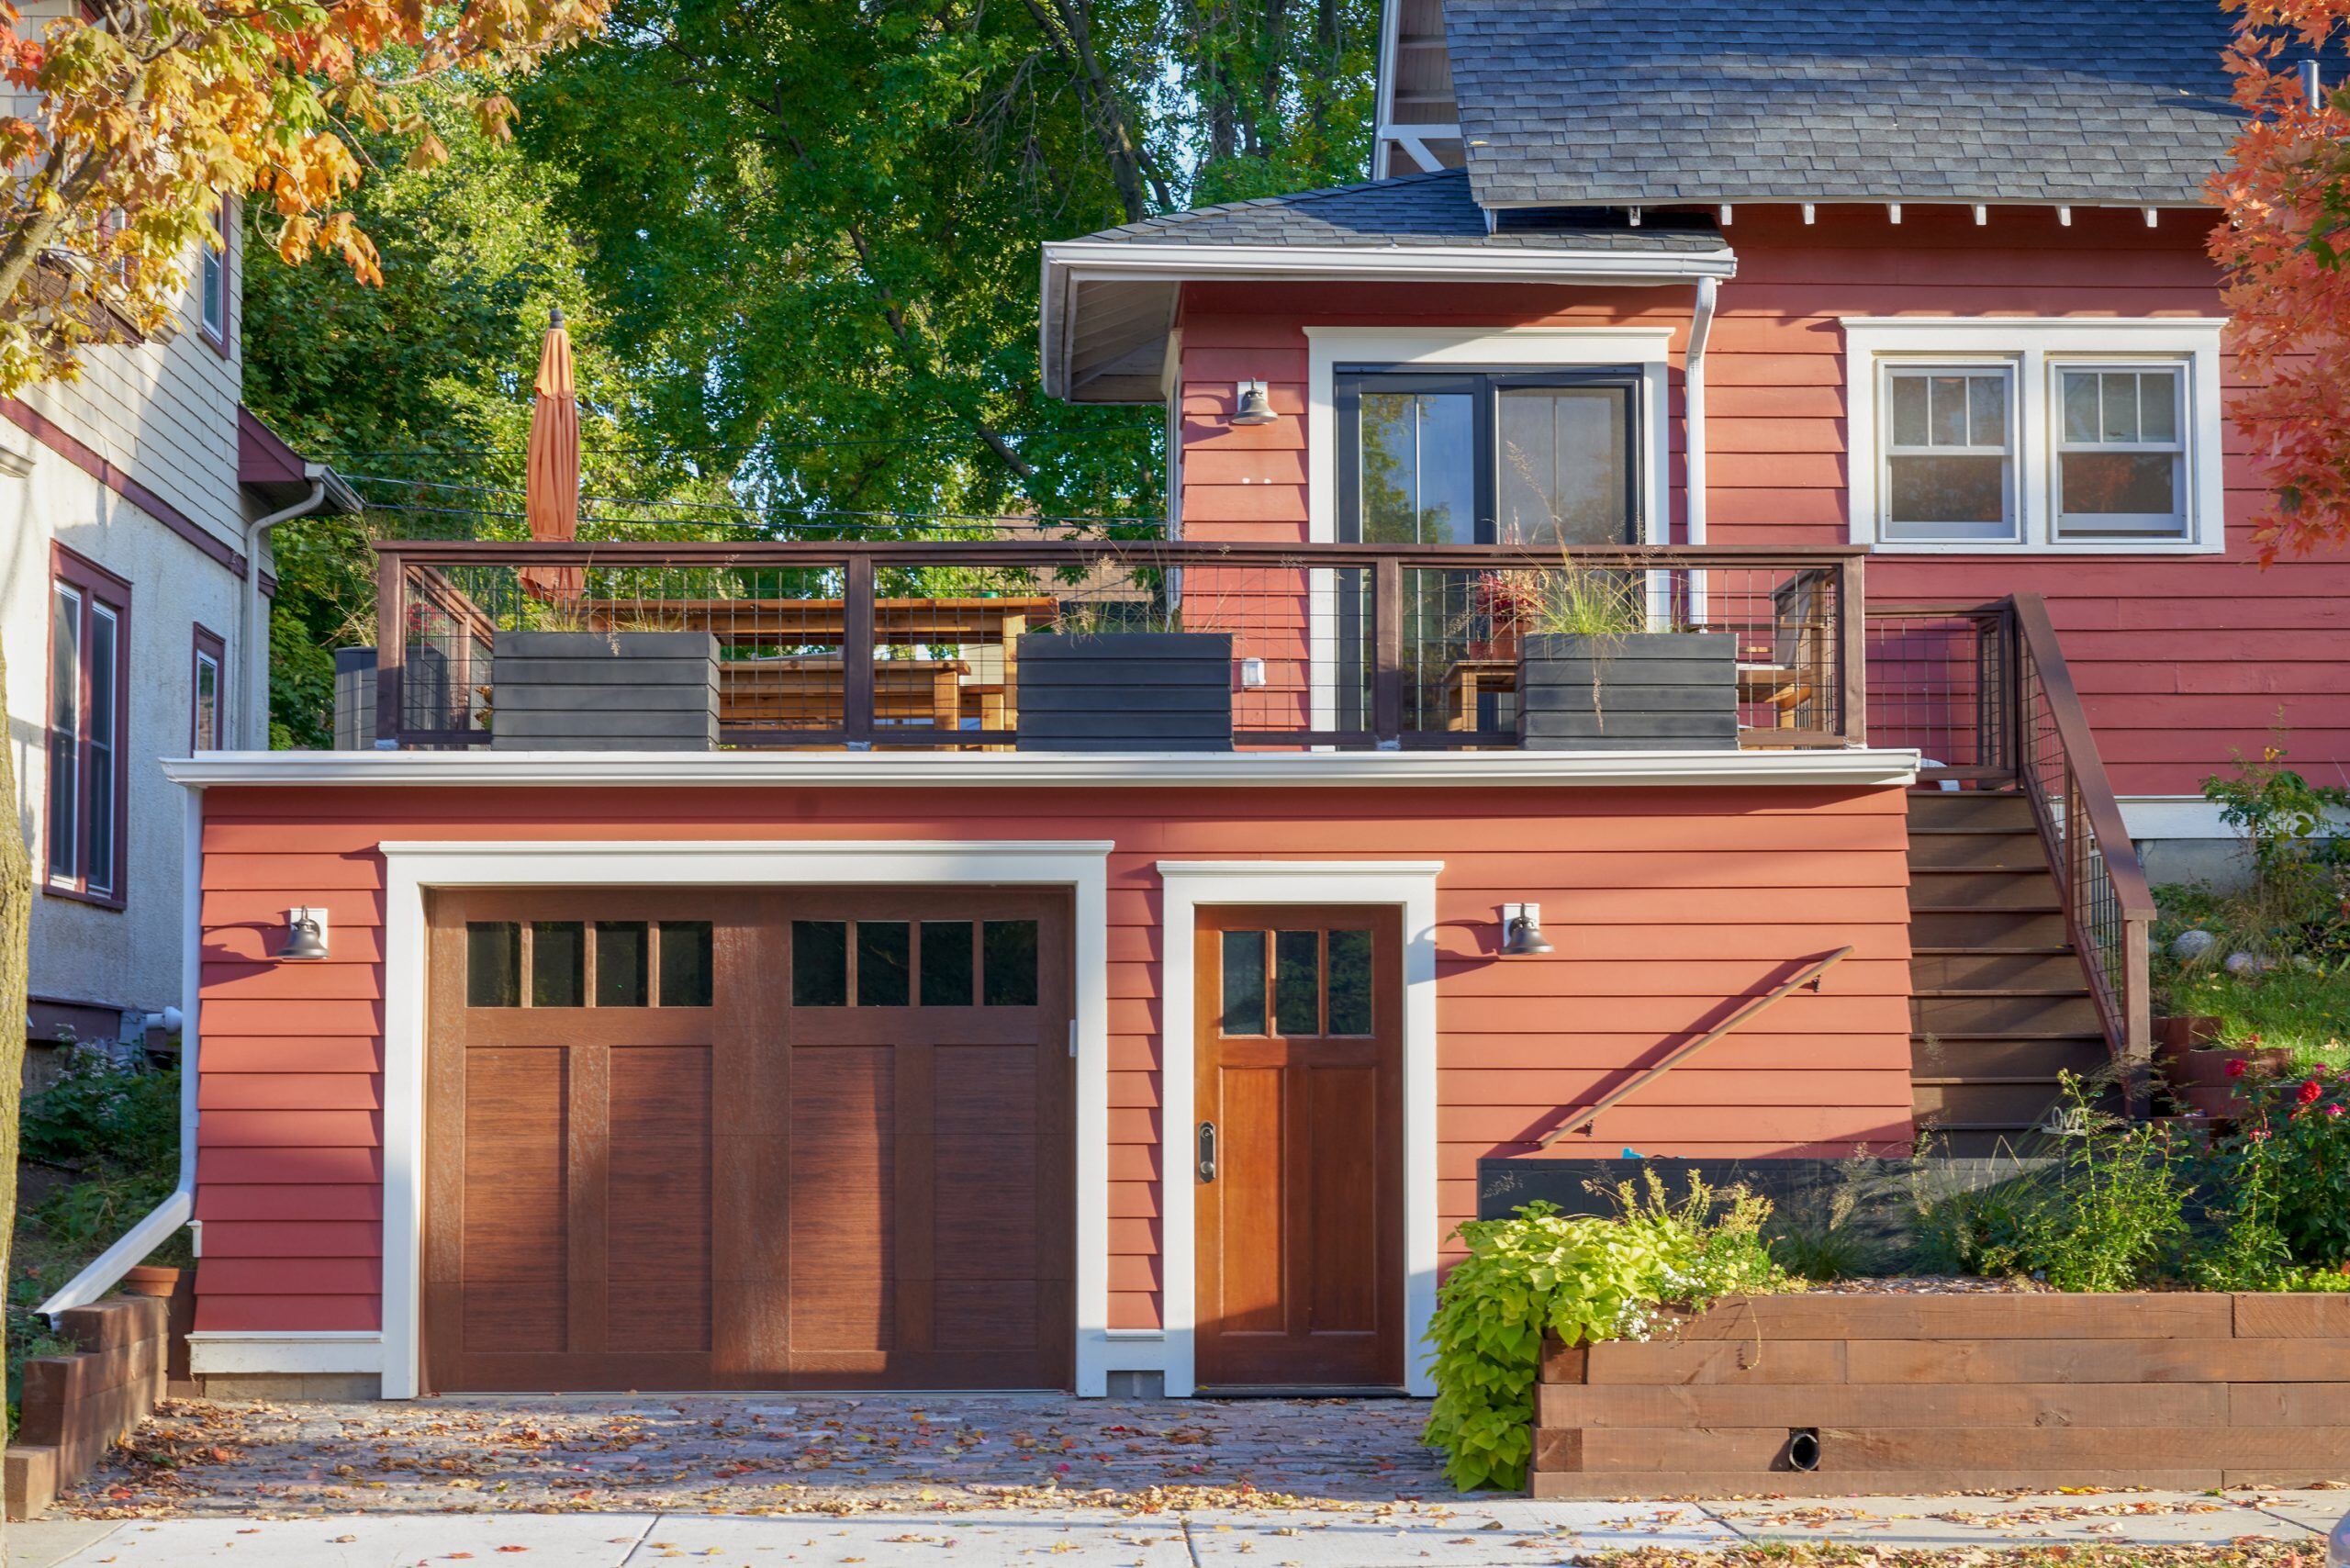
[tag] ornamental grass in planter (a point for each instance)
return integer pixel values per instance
(1591, 675)
(1094, 684)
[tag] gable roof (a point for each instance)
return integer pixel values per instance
(1110, 299)
(1612, 102)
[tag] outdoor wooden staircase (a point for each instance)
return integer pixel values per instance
(1999, 1002)
(2029, 913)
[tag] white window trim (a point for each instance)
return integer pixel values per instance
(1410, 887)
(2036, 345)
(1646, 349)
(411, 869)
(2011, 453)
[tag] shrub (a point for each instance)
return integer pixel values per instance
(2291, 1149)
(1583, 1279)
(2112, 1216)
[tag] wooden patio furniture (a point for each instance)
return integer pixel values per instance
(809, 692)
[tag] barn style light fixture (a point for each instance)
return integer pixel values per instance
(1522, 931)
(1254, 406)
(306, 933)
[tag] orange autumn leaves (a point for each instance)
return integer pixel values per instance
(132, 118)
(2286, 244)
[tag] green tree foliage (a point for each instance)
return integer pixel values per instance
(797, 242)
(820, 222)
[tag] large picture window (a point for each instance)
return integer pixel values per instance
(1537, 458)
(89, 688)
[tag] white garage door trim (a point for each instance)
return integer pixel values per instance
(411, 869)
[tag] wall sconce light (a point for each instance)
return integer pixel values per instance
(1252, 673)
(1522, 931)
(306, 934)
(1252, 406)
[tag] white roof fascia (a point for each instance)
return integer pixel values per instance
(1084, 261)
(1858, 768)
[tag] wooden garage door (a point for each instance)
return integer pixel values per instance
(781, 1139)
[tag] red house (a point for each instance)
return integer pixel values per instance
(1061, 964)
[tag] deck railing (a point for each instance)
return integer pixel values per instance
(1983, 691)
(917, 644)
(2108, 904)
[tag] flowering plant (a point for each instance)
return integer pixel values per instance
(2293, 1139)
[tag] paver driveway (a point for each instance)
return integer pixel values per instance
(764, 1453)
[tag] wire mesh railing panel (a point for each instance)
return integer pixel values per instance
(1940, 683)
(924, 644)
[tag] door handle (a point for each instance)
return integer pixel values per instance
(1207, 1152)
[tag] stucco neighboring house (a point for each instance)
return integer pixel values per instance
(136, 628)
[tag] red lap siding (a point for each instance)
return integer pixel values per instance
(1663, 904)
(2256, 650)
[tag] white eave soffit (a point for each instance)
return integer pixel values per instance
(1078, 261)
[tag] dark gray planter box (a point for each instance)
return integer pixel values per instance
(1642, 691)
(1125, 691)
(355, 699)
(604, 691)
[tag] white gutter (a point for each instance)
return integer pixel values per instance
(179, 1208)
(1692, 397)
(1858, 767)
(252, 634)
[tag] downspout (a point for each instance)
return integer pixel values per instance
(178, 1209)
(252, 634)
(1692, 392)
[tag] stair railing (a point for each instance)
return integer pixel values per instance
(2109, 908)
(1810, 975)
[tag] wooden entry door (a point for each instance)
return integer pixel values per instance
(771, 1138)
(1298, 1155)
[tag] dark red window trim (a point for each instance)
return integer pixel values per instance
(208, 645)
(97, 585)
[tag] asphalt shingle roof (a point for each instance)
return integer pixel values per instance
(1408, 210)
(1594, 102)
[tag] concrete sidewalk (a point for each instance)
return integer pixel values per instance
(1471, 1533)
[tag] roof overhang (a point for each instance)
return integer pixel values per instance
(1856, 768)
(1110, 306)
(277, 475)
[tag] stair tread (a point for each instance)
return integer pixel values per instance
(2045, 1034)
(1969, 949)
(1960, 991)
(1947, 1080)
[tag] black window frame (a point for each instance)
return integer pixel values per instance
(1349, 383)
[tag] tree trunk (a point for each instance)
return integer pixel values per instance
(15, 927)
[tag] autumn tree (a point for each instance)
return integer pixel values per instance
(132, 118)
(2286, 244)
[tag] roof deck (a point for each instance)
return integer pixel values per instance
(1092, 646)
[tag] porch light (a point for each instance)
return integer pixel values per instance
(1255, 408)
(1522, 931)
(306, 933)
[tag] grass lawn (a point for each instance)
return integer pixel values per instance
(2304, 1011)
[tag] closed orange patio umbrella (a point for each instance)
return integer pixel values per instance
(551, 494)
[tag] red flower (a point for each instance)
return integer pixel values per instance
(2238, 1067)
(2309, 1091)
(2333, 1110)
(2259, 1135)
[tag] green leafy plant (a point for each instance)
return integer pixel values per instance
(1583, 1279)
(1820, 1237)
(2293, 1149)
(2112, 1216)
(1573, 599)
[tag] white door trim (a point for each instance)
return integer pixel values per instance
(1410, 885)
(409, 868)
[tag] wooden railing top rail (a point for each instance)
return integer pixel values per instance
(2133, 895)
(1080, 552)
(1811, 974)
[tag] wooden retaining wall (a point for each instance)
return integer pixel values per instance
(1935, 1394)
(75, 1406)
